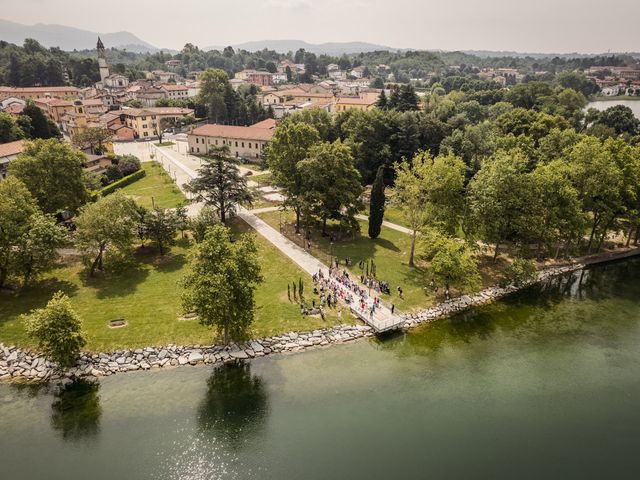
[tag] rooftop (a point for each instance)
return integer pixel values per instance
(229, 131)
(11, 148)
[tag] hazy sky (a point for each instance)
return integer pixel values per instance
(532, 26)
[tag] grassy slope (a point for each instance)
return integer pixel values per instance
(156, 184)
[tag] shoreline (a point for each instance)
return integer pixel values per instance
(23, 365)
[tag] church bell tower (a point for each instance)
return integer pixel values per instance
(102, 61)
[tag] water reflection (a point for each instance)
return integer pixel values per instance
(236, 404)
(76, 410)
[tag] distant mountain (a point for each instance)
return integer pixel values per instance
(331, 48)
(70, 38)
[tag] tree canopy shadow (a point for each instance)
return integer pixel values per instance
(36, 295)
(116, 284)
(236, 404)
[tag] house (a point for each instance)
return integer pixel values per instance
(259, 78)
(175, 92)
(297, 94)
(364, 102)
(115, 81)
(54, 108)
(150, 95)
(26, 93)
(145, 122)
(243, 142)
(358, 72)
(8, 152)
(162, 76)
(173, 63)
(280, 110)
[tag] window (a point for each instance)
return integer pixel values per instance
(146, 134)
(236, 143)
(243, 145)
(191, 149)
(249, 144)
(144, 126)
(144, 118)
(197, 140)
(216, 141)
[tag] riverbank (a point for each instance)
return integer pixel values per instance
(27, 365)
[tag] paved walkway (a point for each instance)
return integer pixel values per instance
(184, 169)
(392, 226)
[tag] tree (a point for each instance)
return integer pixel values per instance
(206, 217)
(36, 248)
(93, 138)
(17, 206)
(331, 183)
(621, 119)
(41, 126)
(128, 164)
(161, 226)
(453, 264)
(221, 284)
(53, 173)
(290, 145)
(212, 87)
(108, 224)
(430, 193)
(376, 205)
(57, 329)
(219, 183)
(10, 130)
(382, 101)
(498, 199)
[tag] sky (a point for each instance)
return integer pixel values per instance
(558, 26)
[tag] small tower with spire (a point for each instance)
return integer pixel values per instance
(102, 61)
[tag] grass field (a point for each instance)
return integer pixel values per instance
(147, 296)
(157, 185)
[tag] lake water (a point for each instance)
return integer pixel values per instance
(545, 384)
(634, 105)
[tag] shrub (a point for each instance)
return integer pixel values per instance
(128, 164)
(520, 272)
(123, 182)
(57, 328)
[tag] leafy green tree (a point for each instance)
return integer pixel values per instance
(577, 81)
(599, 182)
(17, 206)
(53, 173)
(221, 284)
(520, 272)
(36, 248)
(430, 194)
(290, 145)
(498, 199)
(212, 90)
(10, 130)
(57, 329)
(453, 264)
(107, 225)
(41, 126)
(161, 226)
(331, 183)
(206, 217)
(219, 183)
(93, 138)
(376, 205)
(621, 119)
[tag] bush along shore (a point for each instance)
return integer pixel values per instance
(25, 365)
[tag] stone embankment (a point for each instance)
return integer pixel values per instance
(488, 295)
(18, 364)
(26, 365)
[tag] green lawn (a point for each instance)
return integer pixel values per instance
(147, 296)
(156, 185)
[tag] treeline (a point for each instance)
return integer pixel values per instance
(536, 171)
(35, 65)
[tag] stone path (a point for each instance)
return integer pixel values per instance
(381, 320)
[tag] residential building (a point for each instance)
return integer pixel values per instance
(96, 163)
(145, 122)
(364, 102)
(259, 78)
(26, 93)
(8, 152)
(175, 92)
(243, 142)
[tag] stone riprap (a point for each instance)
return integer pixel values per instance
(488, 295)
(19, 364)
(25, 365)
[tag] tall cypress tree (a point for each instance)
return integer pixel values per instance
(376, 205)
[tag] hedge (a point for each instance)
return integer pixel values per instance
(123, 182)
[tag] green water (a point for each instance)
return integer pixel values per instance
(543, 385)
